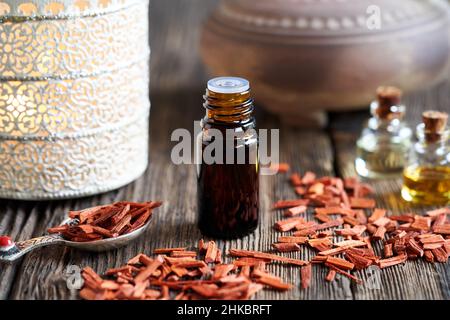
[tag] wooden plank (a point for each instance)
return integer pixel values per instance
(414, 280)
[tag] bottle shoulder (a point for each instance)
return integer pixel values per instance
(422, 147)
(391, 128)
(430, 155)
(376, 135)
(208, 123)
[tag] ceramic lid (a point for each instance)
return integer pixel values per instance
(328, 17)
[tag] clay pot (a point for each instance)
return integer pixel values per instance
(307, 56)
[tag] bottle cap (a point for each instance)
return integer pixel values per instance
(387, 98)
(434, 121)
(228, 85)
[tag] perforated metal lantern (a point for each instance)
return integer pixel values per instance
(73, 96)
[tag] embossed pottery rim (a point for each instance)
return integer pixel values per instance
(308, 26)
(294, 68)
(318, 39)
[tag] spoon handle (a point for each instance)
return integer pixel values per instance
(18, 249)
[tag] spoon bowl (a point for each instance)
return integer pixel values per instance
(108, 243)
(15, 250)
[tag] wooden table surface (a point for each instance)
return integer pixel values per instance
(177, 84)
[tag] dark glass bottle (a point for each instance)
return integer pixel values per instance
(228, 174)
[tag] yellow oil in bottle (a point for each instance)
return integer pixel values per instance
(427, 185)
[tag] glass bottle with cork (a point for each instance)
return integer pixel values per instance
(384, 142)
(426, 178)
(228, 182)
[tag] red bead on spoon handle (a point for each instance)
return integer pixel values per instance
(5, 241)
(7, 248)
(11, 251)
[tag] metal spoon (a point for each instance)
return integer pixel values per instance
(18, 249)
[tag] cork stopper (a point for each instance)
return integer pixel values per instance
(388, 97)
(435, 123)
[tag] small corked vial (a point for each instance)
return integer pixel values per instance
(426, 178)
(385, 140)
(388, 104)
(435, 123)
(388, 98)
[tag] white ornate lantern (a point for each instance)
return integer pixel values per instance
(74, 100)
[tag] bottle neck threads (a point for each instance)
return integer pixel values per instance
(228, 108)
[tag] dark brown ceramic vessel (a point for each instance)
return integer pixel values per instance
(307, 56)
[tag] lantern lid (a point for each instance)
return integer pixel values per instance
(60, 8)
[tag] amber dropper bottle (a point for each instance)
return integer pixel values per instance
(228, 186)
(426, 178)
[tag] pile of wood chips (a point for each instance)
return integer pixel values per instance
(106, 221)
(347, 227)
(183, 275)
(342, 204)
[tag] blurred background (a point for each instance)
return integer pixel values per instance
(307, 60)
(175, 27)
